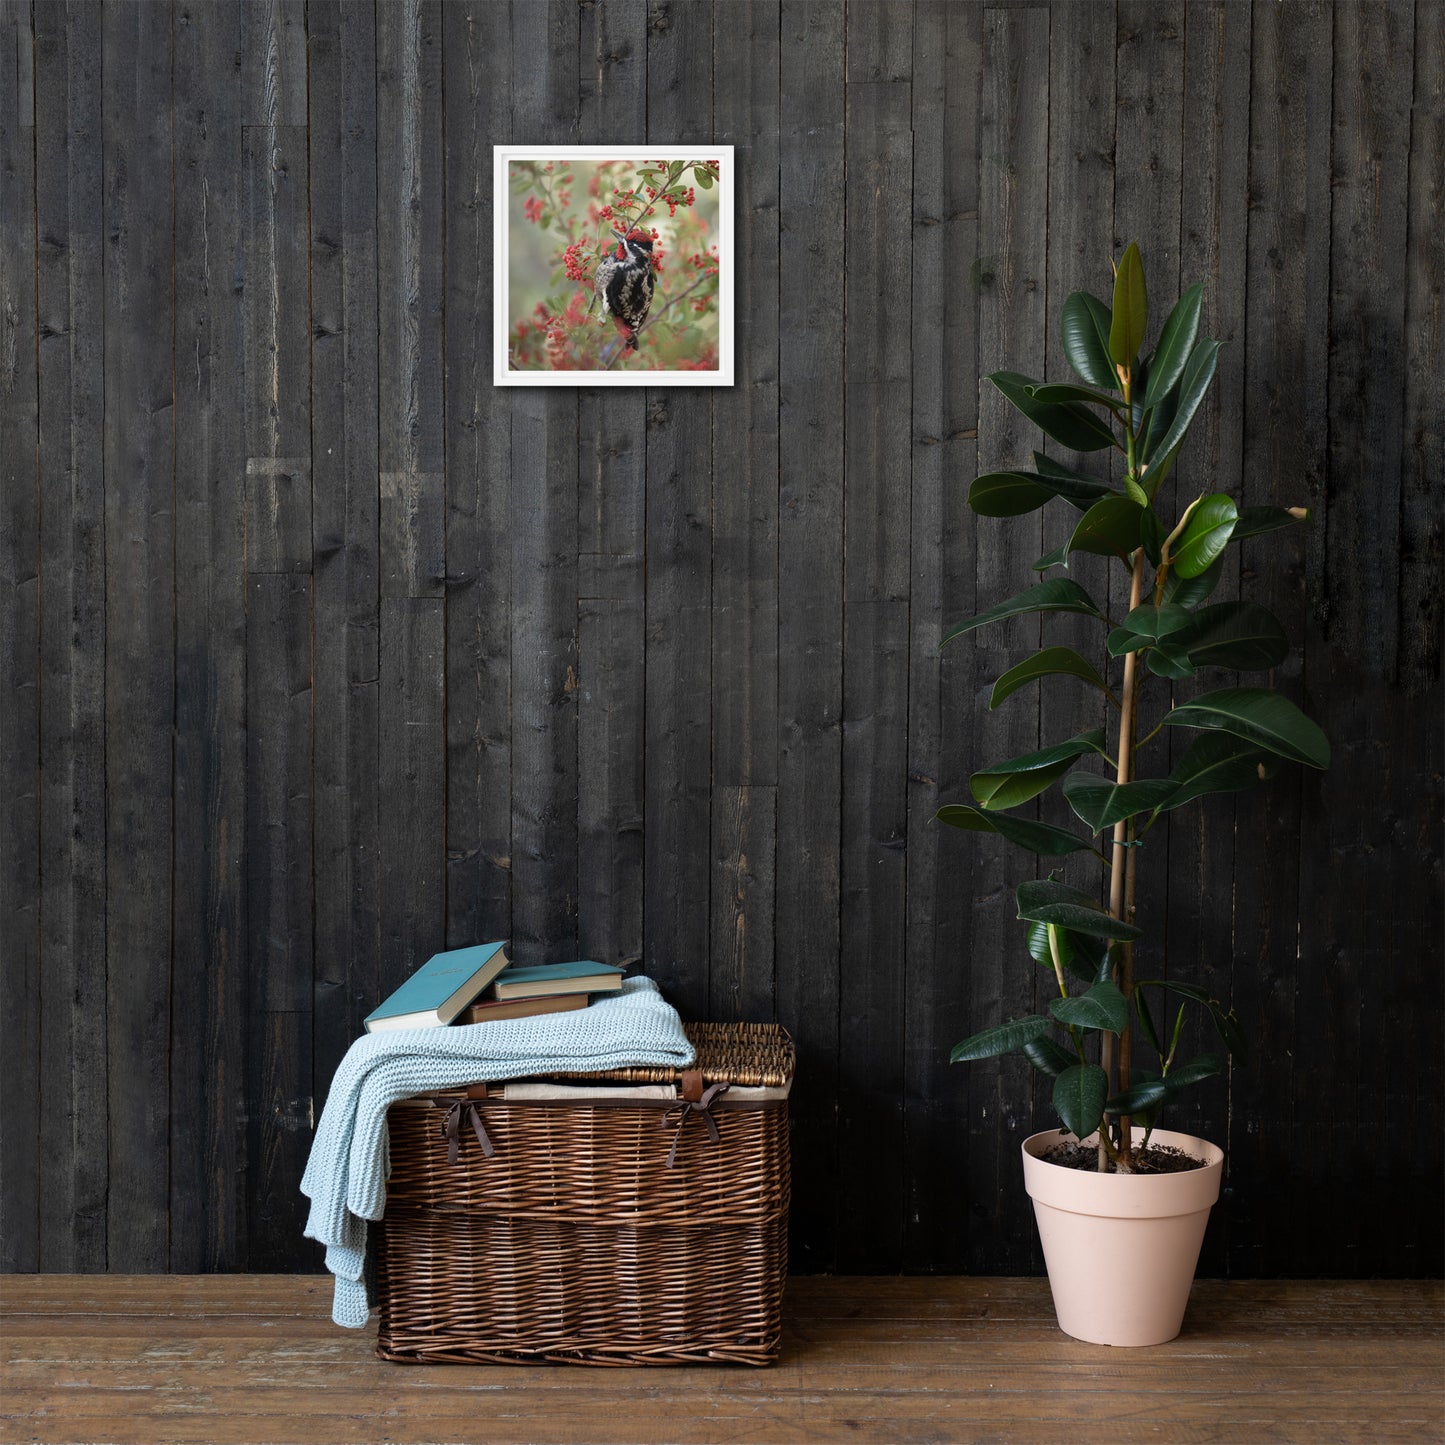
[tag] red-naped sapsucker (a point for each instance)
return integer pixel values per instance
(625, 281)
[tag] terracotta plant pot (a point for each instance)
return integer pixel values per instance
(1121, 1248)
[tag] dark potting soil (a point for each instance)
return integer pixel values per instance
(1156, 1159)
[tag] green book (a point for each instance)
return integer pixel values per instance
(440, 989)
(548, 978)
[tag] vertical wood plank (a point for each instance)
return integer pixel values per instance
(19, 646)
(676, 863)
(1350, 664)
(409, 178)
(69, 217)
(1212, 236)
(342, 139)
(1286, 363)
(810, 603)
(877, 349)
(1012, 317)
(279, 911)
(139, 626)
(946, 76)
(477, 53)
(543, 515)
(209, 981)
(745, 535)
(278, 375)
(611, 543)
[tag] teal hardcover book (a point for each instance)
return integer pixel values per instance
(584, 976)
(440, 989)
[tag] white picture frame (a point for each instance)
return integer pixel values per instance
(531, 362)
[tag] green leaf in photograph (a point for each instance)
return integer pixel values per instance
(1058, 595)
(1079, 1094)
(1103, 1007)
(1206, 1066)
(1051, 662)
(1048, 1057)
(1242, 636)
(1110, 528)
(1215, 763)
(1131, 309)
(1206, 534)
(1258, 716)
(1191, 591)
(1151, 623)
(1068, 391)
(1169, 659)
(1001, 1039)
(1007, 784)
(1255, 521)
(1042, 900)
(1136, 1099)
(1100, 803)
(1041, 838)
(1198, 373)
(1072, 426)
(1085, 333)
(1176, 341)
(1012, 494)
(1059, 557)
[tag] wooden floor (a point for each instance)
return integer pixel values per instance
(222, 1359)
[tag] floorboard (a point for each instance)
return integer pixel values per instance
(224, 1359)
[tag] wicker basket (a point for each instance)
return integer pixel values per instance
(627, 1232)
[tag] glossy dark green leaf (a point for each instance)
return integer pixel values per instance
(1051, 662)
(1168, 659)
(1214, 763)
(1078, 954)
(1151, 533)
(1057, 558)
(1048, 1057)
(1240, 635)
(1225, 1022)
(1138, 1097)
(1110, 528)
(1060, 594)
(1047, 466)
(1176, 341)
(1151, 622)
(1072, 426)
(1191, 591)
(1255, 521)
(1103, 1007)
(1085, 333)
(1198, 373)
(1206, 1066)
(1146, 1021)
(1130, 316)
(1001, 1039)
(1068, 391)
(1206, 534)
(1041, 838)
(1012, 494)
(1101, 804)
(1015, 781)
(1079, 1094)
(1041, 900)
(1258, 716)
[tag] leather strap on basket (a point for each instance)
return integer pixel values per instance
(680, 1113)
(453, 1129)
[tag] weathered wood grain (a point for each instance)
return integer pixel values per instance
(341, 79)
(477, 56)
(611, 551)
(210, 989)
(20, 838)
(1012, 281)
(139, 460)
(876, 502)
(678, 638)
(745, 534)
(810, 602)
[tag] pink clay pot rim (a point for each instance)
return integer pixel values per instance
(1123, 1196)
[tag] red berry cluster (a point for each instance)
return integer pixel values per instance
(533, 207)
(572, 260)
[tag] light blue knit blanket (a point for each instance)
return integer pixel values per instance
(346, 1175)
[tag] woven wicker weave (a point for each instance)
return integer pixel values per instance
(575, 1241)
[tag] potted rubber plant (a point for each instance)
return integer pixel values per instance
(1122, 1205)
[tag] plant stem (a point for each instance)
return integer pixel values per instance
(1121, 870)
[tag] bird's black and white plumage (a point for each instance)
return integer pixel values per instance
(625, 281)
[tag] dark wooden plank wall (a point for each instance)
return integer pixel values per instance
(319, 653)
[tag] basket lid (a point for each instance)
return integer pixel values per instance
(749, 1055)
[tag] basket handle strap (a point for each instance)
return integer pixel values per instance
(454, 1129)
(685, 1110)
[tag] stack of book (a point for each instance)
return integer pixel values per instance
(477, 985)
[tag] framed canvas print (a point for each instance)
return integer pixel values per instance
(613, 266)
